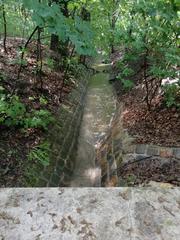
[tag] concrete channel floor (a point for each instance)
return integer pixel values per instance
(90, 214)
(100, 106)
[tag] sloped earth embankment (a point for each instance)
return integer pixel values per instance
(141, 147)
(16, 142)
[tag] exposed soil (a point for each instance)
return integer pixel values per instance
(14, 142)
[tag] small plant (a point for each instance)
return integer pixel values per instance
(18, 61)
(38, 119)
(2, 76)
(39, 157)
(172, 95)
(127, 84)
(40, 154)
(14, 113)
(43, 101)
(50, 62)
(127, 72)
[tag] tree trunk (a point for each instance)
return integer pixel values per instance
(39, 59)
(54, 44)
(86, 16)
(5, 29)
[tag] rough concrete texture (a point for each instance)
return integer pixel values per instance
(89, 214)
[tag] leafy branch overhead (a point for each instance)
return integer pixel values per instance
(76, 30)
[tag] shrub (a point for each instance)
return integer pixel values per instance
(172, 95)
(38, 119)
(127, 84)
(14, 113)
(40, 154)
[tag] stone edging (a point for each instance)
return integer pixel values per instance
(63, 137)
(154, 150)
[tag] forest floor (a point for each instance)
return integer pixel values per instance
(142, 173)
(161, 126)
(15, 143)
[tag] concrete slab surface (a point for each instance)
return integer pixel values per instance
(90, 213)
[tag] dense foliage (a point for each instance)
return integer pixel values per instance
(147, 30)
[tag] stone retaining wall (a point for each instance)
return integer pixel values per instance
(64, 137)
(118, 148)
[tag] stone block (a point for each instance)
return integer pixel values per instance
(141, 149)
(128, 148)
(166, 152)
(176, 153)
(128, 158)
(140, 156)
(152, 150)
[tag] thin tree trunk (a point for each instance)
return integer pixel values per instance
(5, 29)
(23, 51)
(39, 58)
(54, 44)
(146, 82)
(65, 74)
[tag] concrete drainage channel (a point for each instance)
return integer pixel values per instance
(89, 141)
(100, 105)
(82, 120)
